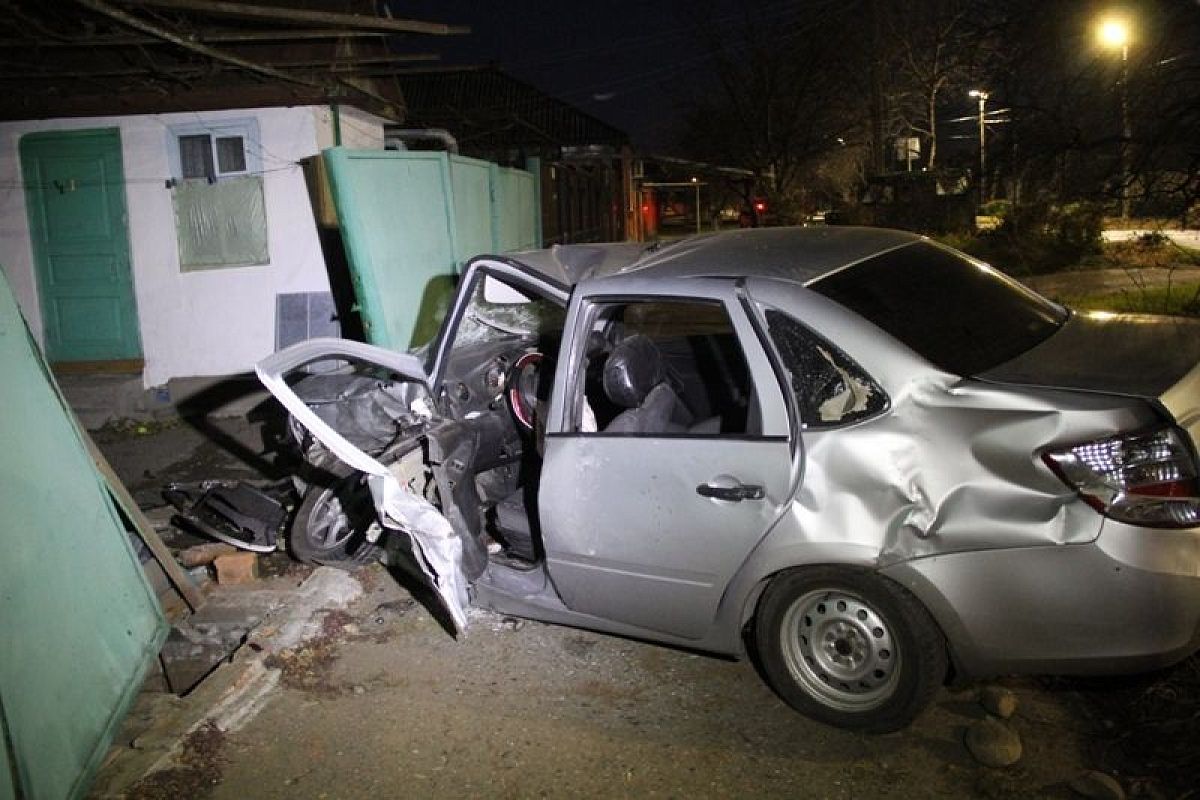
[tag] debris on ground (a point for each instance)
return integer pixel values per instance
(203, 554)
(236, 512)
(236, 568)
(993, 743)
(308, 666)
(196, 770)
(1147, 726)
(392, 610)
(998, 701)
(1097, 786)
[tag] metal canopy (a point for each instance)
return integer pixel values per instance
(152, 56)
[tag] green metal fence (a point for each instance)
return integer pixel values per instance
(411, 219)
(78, 622)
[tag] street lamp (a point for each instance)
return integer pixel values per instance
(982, 96)
(1113, 32)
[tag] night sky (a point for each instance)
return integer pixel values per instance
(632, 64)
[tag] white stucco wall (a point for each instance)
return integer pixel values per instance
(360, 129)
(204, 323)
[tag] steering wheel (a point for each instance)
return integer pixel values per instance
(522, 389)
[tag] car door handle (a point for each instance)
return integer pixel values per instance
(734, 494)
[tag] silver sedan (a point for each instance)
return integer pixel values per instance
(870, 458)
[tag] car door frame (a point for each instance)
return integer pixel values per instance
(489, 265)
(778, 422)
(430, 531)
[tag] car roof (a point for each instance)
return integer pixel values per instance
(796, 254)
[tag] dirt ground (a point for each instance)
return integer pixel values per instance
(393, 706)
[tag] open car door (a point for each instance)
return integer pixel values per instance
(438, 549)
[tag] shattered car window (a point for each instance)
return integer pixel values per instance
(830, 388)
(964, 317)
(499, 311)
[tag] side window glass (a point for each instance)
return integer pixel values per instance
(666, 367)
(830, 388)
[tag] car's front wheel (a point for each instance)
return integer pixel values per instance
(849, 648)
(334, 517)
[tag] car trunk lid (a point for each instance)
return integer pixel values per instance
(1139, 355)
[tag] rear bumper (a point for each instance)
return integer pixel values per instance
(1127, 602)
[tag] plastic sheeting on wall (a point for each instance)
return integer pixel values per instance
(411, 219)
(222, 224)
(78, 622)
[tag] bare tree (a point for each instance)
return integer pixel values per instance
(779, 100)
(934, 51)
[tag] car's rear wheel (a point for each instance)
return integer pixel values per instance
(334, 517)
(849, 648)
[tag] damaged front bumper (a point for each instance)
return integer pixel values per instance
(437, 547)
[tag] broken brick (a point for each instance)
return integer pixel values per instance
(236, 568)
(202, 554)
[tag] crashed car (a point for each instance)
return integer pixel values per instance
(868, 459)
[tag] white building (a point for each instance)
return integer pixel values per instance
(166, 239)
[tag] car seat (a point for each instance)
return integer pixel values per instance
(636, 379)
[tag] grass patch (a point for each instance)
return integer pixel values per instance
(1181, 300)
(1039, 254)
(1150, 251)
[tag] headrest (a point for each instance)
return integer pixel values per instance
(634, 367)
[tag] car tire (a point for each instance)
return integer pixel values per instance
(849, 648)
(335, 513)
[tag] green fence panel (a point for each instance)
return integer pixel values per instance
(515, 210)
(410, 220)
(78, 622)
(396, 211)
(471, 180)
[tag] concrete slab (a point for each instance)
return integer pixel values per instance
(232, 695)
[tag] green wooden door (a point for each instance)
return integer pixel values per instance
(75, 194)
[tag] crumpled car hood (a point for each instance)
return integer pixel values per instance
(1141, 355)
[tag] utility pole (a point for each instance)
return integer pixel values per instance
(1115, 32)
(982, 97)
(1126, 130)
(878, 146)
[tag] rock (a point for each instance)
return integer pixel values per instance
(1098, 785)
(998, 701)
(992, 743)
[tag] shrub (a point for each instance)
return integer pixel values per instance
(1041, 237)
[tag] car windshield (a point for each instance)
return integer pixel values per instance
(498, 310)
(963, 316)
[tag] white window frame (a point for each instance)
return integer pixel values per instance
(247, 128)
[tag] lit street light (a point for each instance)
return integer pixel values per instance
(982, 96)
(1113, 32)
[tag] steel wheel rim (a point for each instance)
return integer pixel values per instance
(840, 650)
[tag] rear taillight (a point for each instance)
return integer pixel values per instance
(1146, 478)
